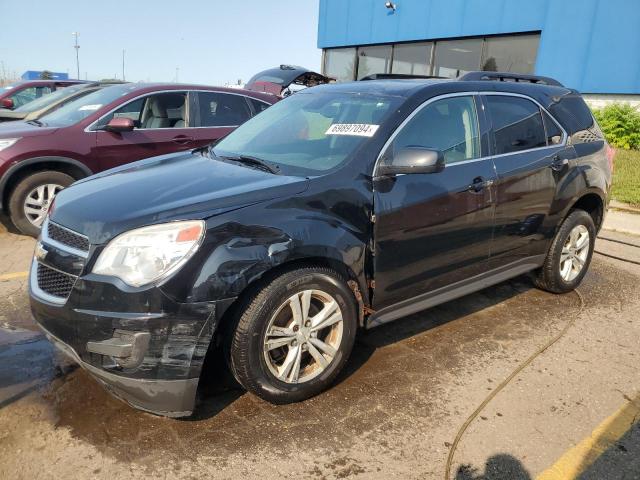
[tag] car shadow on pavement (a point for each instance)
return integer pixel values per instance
(498, 467)
(218, 388)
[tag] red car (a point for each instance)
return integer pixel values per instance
(21, 93)
(108, 128)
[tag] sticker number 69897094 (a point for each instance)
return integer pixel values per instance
(356, 129)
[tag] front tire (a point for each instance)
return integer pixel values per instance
(30, 200)
(570, 254)
(295, 335)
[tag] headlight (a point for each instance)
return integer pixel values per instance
(7, 142)
(144, 255)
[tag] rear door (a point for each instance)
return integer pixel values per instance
(530, 155)
(215, 114)
(432, 230)
(161, 126)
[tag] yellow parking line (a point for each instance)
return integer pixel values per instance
(13, 275)
(576, 460)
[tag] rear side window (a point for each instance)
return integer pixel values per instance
(449, 125)
(517, 124)
(573, 113)
(554, 134)
(221, 110)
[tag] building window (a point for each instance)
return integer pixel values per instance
(340, 63)
(451, 58)
(456, 57)
(511, 54)
(412, 58)
(374, 60)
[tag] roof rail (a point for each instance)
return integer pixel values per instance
(509, 77)
(395, 76)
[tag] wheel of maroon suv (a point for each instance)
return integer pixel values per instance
(31, 198)
(294, 336)
(570, 254)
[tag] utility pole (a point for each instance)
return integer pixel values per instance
(77, 47)
(123, 65)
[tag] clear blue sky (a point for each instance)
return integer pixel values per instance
(212, 42)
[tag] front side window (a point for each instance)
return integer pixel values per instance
(449, 125)
(221, 110)
(517, 124)
(309, 133)
(162, 110)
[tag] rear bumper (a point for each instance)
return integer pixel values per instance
(171, 398)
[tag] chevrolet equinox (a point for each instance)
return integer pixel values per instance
(345, 206)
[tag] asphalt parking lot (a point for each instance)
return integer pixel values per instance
(572, 412)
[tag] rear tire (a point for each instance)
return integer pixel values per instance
(283, 356)
(570, 254)
(34, 194)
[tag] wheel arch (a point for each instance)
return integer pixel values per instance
(592, 201)
(20, 170)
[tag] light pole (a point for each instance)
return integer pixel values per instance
(77, 47)
(123, 64)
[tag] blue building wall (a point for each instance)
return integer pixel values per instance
(35, 75)
(590, 45)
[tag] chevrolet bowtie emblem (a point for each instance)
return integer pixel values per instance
(40, 252)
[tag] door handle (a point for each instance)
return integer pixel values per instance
(558, 163)
(479, 184)
(182, 139)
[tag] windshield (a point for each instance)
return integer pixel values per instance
(50, 98)
(309, 133)
(77, 110)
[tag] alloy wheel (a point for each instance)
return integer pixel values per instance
(574, 253)
(38, 202)
(303, 336)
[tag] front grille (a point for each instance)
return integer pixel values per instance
(54, 282)
(67, 237)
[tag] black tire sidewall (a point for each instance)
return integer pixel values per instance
(272, 388)
(577, 217)
(22, 189)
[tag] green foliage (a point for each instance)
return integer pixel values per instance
(626, 177)
(620, 123)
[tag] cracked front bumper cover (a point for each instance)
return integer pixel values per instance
(171, 398)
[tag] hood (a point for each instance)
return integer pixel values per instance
(162, 189)
(277, 80)
(23, 129)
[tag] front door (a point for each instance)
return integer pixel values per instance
(530, 155)
(432, 230)
(161, 126)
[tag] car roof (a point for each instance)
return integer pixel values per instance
(153, 87)
(424, 88)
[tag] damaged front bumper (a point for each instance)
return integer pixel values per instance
(142, 345)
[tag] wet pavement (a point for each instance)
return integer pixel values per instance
(394, 413)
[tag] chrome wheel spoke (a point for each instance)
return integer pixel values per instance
(290, 368)
(324, 347)
(317, 356)
(278, 342)
(326, 317)
(582, 241)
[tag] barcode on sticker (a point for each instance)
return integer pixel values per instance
(357, 129)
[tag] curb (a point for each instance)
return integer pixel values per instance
(624, 207)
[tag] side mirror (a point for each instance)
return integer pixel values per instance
(120, 124)
(413, 160)
(7, 103)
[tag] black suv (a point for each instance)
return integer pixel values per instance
(344, 206)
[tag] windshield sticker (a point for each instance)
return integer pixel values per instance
(90, 107)
(357, 129)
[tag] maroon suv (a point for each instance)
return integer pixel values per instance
(21, 93)
(108, 128)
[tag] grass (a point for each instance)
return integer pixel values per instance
(626, 177)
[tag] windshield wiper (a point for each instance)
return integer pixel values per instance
(253, 162)
(37, 123)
